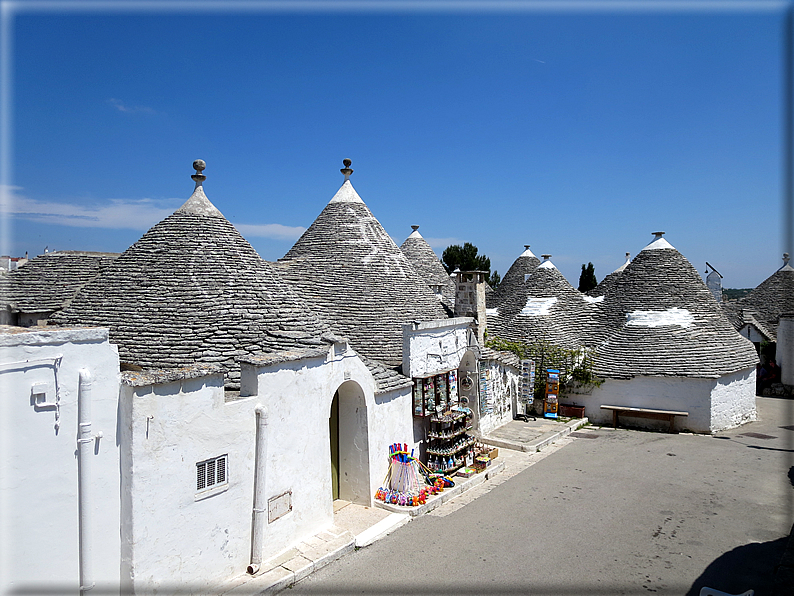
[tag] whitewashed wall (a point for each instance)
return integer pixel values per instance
(38, 466)
(733, 400)
(298, 398)
(172, 537)
(179, 541)
(713, 404)
(751, 333)
(434, 346)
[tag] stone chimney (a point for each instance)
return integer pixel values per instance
(470, 299)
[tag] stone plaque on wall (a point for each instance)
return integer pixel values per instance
(279, 506)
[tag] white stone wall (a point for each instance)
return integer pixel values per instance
(733, 400)
(298, 399)
(712, 404)
(175, 536)
(751, 333)
(177, 539)
(39, 538)
(502, 383)
(434, 346)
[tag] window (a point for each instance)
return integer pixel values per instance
(211, 473)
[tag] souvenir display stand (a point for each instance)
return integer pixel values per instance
(526, 396)
(408, 482)
(435, 393)
(552, 393)
(448, 443)
(435, 398)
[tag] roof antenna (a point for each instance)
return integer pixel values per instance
(198, 177)
(346, 170)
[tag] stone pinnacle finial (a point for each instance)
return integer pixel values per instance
(785, 259)
(526, 247)
(198, 177)
(546, 257)
(414, 228)
(658, 234)
(346, 170)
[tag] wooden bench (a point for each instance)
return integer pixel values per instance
(668, 415)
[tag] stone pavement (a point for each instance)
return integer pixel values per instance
(356, 526)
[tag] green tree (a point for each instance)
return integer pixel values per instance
(465, 258)
(587, 280)
(494, 279)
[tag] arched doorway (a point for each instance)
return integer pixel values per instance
(349, 444)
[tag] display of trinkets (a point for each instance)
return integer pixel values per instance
(448, 442)
(552, 391)
(408, 482)
(435, 393)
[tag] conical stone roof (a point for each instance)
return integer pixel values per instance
(660, 319)
(48, 282)
(356, 278)
(513, 280)
(545, 307)
(193, 290)
(764, 305)
(605, 285)
(428, 266)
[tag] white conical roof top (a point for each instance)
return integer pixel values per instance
(346, 194)
(659, 243)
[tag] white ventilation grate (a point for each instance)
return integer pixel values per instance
(211, 473)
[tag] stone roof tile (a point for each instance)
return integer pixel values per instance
(544, 308)
(773, 297)
(513, 280)
(48, 282)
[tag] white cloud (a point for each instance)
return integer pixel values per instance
(122, 107)
(131, 214)
(274, 231)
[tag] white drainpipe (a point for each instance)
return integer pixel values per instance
(260, 513)
(85, 442)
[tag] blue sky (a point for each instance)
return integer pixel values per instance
(578, 131)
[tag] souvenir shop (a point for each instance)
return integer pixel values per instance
(448, 452)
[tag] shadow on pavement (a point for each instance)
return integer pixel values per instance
(752, 566)
(745, 567)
